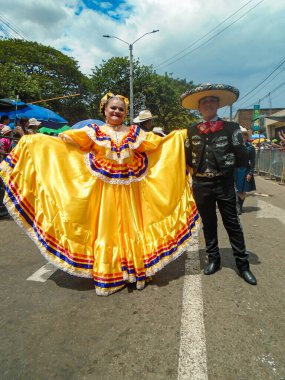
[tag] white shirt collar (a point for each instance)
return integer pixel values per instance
(214, 119)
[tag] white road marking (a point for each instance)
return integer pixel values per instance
(42, 274)
(192, 354)
(260, 195)
(269, 211)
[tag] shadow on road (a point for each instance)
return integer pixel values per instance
(227, 257)
(171, 272)
(65, 280)
(250, 209)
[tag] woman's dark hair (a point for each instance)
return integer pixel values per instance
(4, 118)
(23, 121)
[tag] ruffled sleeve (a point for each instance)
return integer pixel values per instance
(78, 138)
(152, 141)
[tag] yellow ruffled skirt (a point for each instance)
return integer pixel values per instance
(114, 233)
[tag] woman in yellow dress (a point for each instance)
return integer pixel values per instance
(113, 203)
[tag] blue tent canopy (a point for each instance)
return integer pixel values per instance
(46, 116)
(7, 104)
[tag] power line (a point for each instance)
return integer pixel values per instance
(268, 76)
(259, 100)
(264, 85)
(271, 92)
(6, 31)
(3, 30)
(267, 95)
(205, 35)
(276, 68)
(12, 27)
(215, 35)
(278, 93)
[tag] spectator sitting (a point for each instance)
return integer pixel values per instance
(22, 127)
(33, 125)
(4, 120)
(144, 120)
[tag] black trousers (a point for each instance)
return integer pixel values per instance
(3, 210)
(220, 191)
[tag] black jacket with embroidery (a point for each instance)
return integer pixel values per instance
(220, 151)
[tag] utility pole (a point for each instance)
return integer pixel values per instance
(131, 85)
(131, 69)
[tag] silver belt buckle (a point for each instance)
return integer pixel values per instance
(210, 174)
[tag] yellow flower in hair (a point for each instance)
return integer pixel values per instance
(110, 95)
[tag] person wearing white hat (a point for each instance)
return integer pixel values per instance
(6, 139)
(33, 125)
(144, 120)
(213, 149)
(158, 131)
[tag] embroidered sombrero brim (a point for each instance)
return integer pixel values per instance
(227, 95)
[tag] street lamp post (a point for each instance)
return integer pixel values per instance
(131, 69)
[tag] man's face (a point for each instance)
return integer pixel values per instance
(208, 107)
(245, 137)
(147, 125)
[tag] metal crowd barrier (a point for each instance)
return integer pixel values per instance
(271, 163)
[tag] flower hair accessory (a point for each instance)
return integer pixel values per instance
(109, 96)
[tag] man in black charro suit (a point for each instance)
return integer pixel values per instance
(213, 149)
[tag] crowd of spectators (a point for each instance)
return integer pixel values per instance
(8, 139)
(275, 143)
(10, 136)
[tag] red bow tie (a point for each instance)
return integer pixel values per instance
(210, 126)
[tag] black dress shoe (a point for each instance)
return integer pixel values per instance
(248, 277)
(212, 267)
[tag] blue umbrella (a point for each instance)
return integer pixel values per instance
(8, 104)
(83, 123)
(256, 136)
(45, 115)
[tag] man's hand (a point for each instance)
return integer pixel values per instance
(248, 177)
(282, 136)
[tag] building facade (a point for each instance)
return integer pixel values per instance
(244, 117)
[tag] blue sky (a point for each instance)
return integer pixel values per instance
(111, 9)
(240, 43)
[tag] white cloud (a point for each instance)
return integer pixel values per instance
(242, 55)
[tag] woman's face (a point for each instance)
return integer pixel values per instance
(115, 111)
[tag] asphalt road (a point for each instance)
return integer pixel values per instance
(183, 325)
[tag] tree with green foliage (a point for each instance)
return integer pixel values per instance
(161, 93)
(114, 76)
(34, 71)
